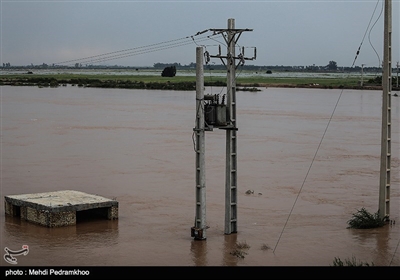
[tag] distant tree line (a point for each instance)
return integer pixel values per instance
(330, 67)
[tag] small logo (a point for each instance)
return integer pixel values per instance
(9, 255)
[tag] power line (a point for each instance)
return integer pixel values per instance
(359, 48)
(132, 53)
(115, 52)
(369, 36)
(137, 50)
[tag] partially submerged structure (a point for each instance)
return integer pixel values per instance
(60, 208)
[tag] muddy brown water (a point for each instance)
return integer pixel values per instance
(136, 146)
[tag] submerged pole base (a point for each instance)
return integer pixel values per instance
(197, 233)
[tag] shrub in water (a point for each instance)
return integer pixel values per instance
(348, 262)
(364, 219)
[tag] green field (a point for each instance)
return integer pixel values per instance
(180, 82)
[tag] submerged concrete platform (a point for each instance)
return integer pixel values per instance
(60, 208)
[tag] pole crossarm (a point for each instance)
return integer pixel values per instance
(230, 37)
(230, 34)
(233, 30)
(234, 57)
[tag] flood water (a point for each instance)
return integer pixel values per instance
(309, 173)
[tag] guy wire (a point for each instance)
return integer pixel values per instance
(323, 135)
(309, 168)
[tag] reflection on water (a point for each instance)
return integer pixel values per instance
(198, 249)
(97, 232)
(230, 247)
(200, 253)
(136, 146)
(378, 240)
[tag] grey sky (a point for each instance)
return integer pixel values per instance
(284, 32)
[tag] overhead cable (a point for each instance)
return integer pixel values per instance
(137, 50)
(359, 48)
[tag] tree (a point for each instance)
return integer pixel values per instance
(169, 71)
(332, 65)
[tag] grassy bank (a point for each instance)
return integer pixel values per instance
(177, 82)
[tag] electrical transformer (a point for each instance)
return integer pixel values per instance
(215, 112)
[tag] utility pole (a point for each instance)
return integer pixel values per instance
(199, 229)
(385, 167)
(231, 133)
(231, 36)
(362, 75)
(397, 80)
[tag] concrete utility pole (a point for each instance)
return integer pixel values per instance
(231, 140)
(231, 36)
(362, 74)
(384, 182)
(199, 229)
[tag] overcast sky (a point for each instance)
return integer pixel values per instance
(297, 33)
